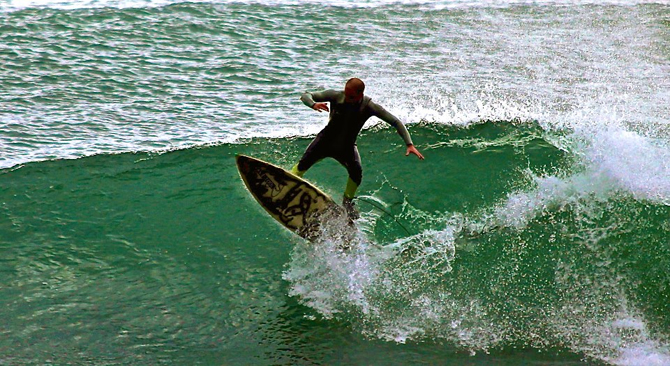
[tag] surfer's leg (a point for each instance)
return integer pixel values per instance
(350, 189)
(297, 171)
(312, 155)
(353, 164)
(351, 161)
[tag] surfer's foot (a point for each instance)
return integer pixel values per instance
(350, 208)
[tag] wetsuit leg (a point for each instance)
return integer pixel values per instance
(351, 188)
(351, 160)
(314, 152)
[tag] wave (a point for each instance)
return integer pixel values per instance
(598, 162)
(542, 266)
(538, 219)
(556, 282)
(516, 240)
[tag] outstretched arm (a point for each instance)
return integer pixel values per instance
(317, 100)
(387, 117)
(412, 150)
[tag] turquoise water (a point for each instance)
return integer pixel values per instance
(534, 233)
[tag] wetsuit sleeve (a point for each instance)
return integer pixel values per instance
(384, 115)
(309, 98)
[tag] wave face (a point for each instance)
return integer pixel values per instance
(502, 240)
(535, 230)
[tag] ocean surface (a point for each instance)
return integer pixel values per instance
(535, 232)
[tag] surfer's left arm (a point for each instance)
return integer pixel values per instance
(386, 116)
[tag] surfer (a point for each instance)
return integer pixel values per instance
(349, 109)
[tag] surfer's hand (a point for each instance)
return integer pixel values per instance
(320, 107)
(412, 150)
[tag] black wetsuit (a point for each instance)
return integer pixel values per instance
(338, 139)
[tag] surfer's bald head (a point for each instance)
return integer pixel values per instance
(353, 90)
(356, 84)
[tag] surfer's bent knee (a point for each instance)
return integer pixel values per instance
(295, 170)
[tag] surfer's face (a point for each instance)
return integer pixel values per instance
(352, 95)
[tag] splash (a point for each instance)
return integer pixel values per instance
(540, 268)
(398, 292)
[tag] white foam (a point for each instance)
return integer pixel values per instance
(329, 279)
(448, 111)
(611, 161)
(626, 341)
(647, 354)
(637, 164)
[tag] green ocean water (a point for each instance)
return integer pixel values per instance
(165, 258)
(534, 233)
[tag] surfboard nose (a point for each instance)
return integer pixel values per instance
(289, 199)
(243, 163)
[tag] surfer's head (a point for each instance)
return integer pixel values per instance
(353, 90)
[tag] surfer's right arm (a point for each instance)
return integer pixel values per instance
(317, 100)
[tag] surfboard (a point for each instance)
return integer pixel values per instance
(292, 201)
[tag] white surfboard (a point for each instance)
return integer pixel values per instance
(289, 199)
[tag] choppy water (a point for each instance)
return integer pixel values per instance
(535, 232)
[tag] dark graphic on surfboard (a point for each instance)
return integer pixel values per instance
(291, 200)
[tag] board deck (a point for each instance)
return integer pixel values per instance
(294, 202)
